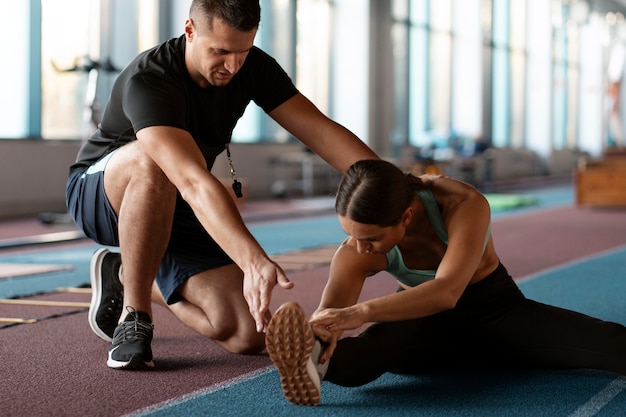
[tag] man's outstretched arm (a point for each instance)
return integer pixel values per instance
(331, 141)
(176, 153)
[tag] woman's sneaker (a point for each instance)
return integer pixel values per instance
(107, 293)
(131, 342)
(289, 343)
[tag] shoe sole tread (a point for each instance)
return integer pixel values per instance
(289, 344)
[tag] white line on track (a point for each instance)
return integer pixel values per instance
(198, 393)
(601, 399)
(576, 261)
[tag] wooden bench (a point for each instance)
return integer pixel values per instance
(601, 183)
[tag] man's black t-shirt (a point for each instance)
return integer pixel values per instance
(155, 89)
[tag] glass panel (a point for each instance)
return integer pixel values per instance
(68, 42)
(500, 108)
(573, 81)
(440, 65)
(148, 24)
(517, 99)
(559, 89)
(538, 76)
(419, 91)
(573, 86)
(400, 40)
(441, 14)
(501, 75)
(312, 51)
(559, 106)
(419, 12)
(518, 24)
(80, 38)
(517, 19)
(275, 36)
(400, 9)
(500, 23)
(466, 69)
(14, 25)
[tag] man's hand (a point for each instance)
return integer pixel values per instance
(257, 290)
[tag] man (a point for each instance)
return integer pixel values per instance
(142, 182)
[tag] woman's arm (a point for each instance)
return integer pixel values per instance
(470, 254)
(348, 271)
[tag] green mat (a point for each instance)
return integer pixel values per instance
(499, 202)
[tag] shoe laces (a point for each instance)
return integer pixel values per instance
(136, 328)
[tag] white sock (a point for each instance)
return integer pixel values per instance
(315, 359)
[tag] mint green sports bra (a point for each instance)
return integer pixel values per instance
(395, 264)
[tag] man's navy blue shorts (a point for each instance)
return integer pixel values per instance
(190, 250)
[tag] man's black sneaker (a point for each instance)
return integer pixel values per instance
(131, 342)
(107, 293)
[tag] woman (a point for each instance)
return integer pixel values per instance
(456, 305)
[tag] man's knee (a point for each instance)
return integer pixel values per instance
(145, 169)
(235, 339)
(132, 170)
(246, 344)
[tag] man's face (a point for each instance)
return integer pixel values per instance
(214, 55)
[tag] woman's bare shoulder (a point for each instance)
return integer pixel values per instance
(450, 192)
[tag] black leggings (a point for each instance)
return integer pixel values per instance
(492, 325)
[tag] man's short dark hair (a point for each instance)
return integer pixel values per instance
(243, 15)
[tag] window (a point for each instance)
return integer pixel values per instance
(48, 88)
(419, 90)
(444, 64)
(518, 25)
(297, 35)
(440, 59)
(70, 41)
(52, 89)
(501, 74)
(84, 44)
(15, 22)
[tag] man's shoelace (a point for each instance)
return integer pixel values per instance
(134, 329)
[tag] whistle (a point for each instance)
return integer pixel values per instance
(237, 188)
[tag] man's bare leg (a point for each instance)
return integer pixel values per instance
(214, 306)
(144, 201)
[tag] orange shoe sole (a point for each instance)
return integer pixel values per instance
(289, 342)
